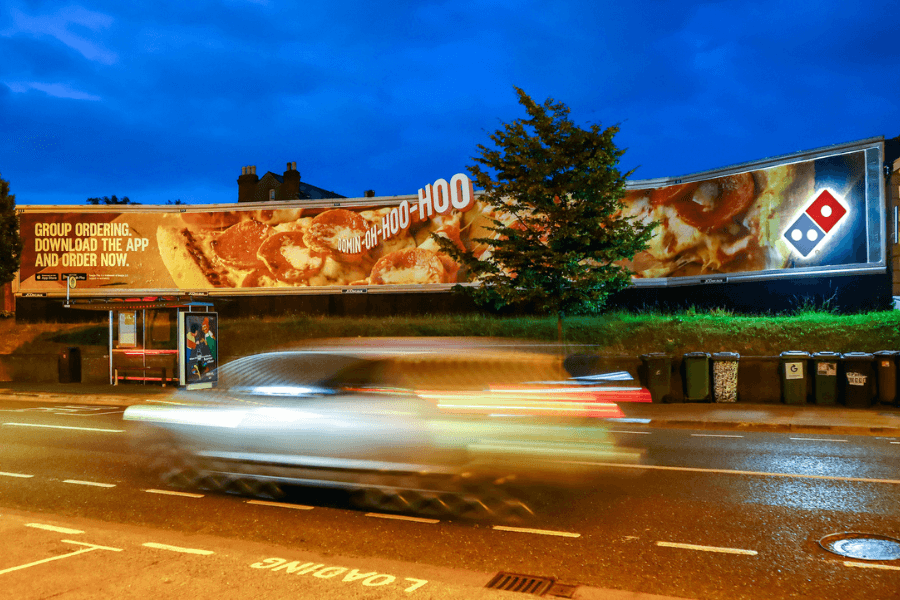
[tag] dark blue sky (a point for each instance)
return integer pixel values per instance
(168, 100)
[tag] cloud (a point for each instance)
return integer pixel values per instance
(69, 25)
(57, 90)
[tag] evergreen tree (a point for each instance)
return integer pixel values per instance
(555, 191)
(110, 200)
(10, 241)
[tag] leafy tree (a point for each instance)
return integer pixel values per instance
(111, 200)
(10, 241)
(178, 202)
(555, 192)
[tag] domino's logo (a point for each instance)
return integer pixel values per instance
(815, 223)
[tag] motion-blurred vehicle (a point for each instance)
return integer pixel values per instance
(340, 420)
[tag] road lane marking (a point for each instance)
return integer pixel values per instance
(402, 518)
(816, 440)
(15, 475)
(733, 472)
(66, 427)
(92, 546)
(53, 528)
(537, 531)
(715, 435)
(707, 548)
(94, 483)
(171, 493)
(280, 504)
(638, 432)
(850, 563)
(178, 549)
(88, 548)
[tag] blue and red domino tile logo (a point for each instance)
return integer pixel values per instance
(815, 223)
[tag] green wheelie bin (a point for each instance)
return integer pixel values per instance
(825, 381)
(696, 376)
(794, 376)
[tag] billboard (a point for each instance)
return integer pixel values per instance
(254, 248)
(817, 212)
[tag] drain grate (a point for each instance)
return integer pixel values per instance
(514, 582)
(529, 584)
(862, 546)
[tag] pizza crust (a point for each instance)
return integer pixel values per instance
(173, 249)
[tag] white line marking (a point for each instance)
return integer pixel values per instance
(816, 440)
(280, 504)
(849, 563)
(537, 531)
(638, 432)
(895, 442)
(92, 546)
(67, 427)
(730, 472)
(94, 483)
(15, 475)
(53, 528)
(89, 548)
(171, 493)
(177, 549)
(715, 435)
(706, 548)
(402, 518)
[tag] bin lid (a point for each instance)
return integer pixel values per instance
(858, 356)
(697, 355)
(726, 356)
(655, 356)
(883, 353)
(795, 354)
(827, 354)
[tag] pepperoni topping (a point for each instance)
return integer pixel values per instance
(734, 195)
(411, 265)
(334, 229)
(289, 259)
(237, 245)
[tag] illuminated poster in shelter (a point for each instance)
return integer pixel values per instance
(198, 347)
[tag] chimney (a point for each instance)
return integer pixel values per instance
(369, 193)
(290, 187)
(247, 184)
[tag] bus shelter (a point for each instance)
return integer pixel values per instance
(165, 340)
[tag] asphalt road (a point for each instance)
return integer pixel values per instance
(706, 515)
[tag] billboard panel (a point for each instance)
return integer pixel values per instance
(815, 212)
(284, 247)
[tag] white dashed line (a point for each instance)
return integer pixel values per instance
(403, 518)
(850, 563)
(54, 528)
(92, 546)
(177, 549)
(537, 531)
(706, 548)
(732, 472)
(171, 493)
(637, 432)
(15, 475)
(816, 440)
(280, 504)
(67, 427)
(717, 435)
(93, 483)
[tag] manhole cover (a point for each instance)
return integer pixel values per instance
(864, 546)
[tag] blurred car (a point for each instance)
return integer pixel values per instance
(340, 420)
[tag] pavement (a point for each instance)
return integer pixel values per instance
(879, 419)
